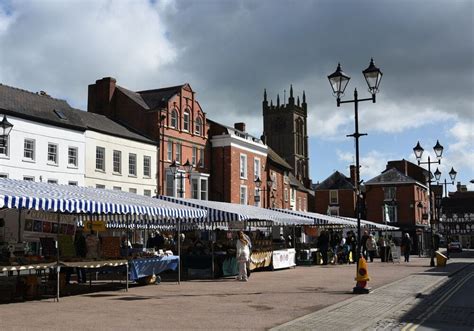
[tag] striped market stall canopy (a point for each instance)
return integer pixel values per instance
(319, 219)
(224, 211)
(91, 201)
(370, 225)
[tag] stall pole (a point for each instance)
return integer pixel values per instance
(179, 250)
(294, 237)
(19, 225)
(211, 235)
(58, 267)
(126, 279)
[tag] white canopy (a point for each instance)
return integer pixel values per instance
(319, 219)
(224, 211)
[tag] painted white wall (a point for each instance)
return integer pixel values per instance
(15, 166)
(108, 178)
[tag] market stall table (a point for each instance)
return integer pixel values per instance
(144, 267)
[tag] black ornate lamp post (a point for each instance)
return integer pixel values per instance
(339, 81)
(438, 149)
(5, 129)
(452, 175)
(187, 167)
(258, 184)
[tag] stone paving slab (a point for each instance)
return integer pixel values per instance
(373, 311)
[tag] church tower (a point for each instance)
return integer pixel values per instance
(285, 131)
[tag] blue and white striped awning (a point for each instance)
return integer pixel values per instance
(319, 219)
(224, 211)
(91, 201)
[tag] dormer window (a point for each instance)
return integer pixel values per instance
(174, 119)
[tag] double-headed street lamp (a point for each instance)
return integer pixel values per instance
(339, 81)
(258, 184)
(452, 176)
(187, 169)
(438, 149)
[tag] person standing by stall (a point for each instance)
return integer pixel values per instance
(371, 246)
(243, 255)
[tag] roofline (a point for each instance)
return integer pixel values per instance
(42, 120)
(161, 89)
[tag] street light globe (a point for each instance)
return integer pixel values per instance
(338, 80)
(418, 150)
(438, 149)
(452, 174)
(373, 76)
(437, 174)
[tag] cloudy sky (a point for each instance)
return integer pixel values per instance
(229, 51)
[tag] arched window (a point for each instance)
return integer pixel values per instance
(174, 119)
(198, 130)
(186, 120)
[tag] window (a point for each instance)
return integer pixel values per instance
(132, 190)
(193, 159)
(53, 153)
(286, 194)
(29, 149)
(147, 166)
(333, 211)
(243, 166)
(71, 183)
(256, 168)
(100, 186)
(117, 188)
(72, 156)
(3, 175)
(194, 188)
(29, 178)
(147, 193)
(390, 193)
(4, 144)
(180, 187)
(243, 195)
(174, 119)
(198, 130)
(203, 189)
(333, 197)
(390, 213)
(201, 157)
(186, 120)
(100, 158)
(169, 151)
(178, 152)
(117, 159)
(52, 181)
(132, 164)
(170, 184)
(257, 197)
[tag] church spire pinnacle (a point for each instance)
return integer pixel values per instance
(291, 99)
(291, 90)
(264, 94)
(278, 100)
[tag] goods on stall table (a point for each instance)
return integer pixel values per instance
(110, 247)
(48, 246)
(92, 244)
(66, 246)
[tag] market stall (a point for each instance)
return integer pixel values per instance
(42, 230)
(217, 253)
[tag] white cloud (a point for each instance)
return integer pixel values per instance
(61, 47)
(371, 164)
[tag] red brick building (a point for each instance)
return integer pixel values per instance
(237, 160)
(335, 195)
(170, 115)
(399, 196)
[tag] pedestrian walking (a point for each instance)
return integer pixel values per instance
(406, 243)
(371, 246)
(363, 244)
(243, 255)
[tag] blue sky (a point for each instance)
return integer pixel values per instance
(229, 51)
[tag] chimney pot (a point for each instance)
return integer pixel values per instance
(239, 126)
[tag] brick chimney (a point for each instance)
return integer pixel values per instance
(353, 174)
(100, 95)
(239, 126)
